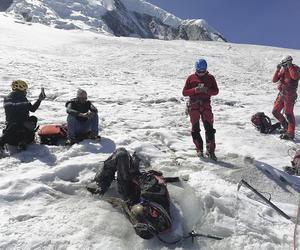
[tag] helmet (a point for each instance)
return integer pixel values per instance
(19, 85)
(201, 65)
(137, 210)
(286, 59)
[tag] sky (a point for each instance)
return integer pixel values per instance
(265, 22)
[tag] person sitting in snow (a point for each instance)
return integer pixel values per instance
(286, 75)
(145, 198)
(20, 127)
(200, 86)
(82, 120)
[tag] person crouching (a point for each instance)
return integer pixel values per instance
(82, 120)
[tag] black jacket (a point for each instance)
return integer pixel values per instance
(74, 107)
(17, 107)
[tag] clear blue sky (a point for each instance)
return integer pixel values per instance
(265, 22)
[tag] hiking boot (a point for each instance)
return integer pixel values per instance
(71, 141)
(286, 136)
(95, 137)
(95, 189)
(211, 155)
(282, 130)
(21, 146)
(200, 153)
(284, 126)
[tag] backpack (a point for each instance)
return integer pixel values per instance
(261, 122)
(51, 134)
(154, 189)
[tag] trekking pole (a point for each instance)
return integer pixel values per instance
(242, 182)
(193, 235)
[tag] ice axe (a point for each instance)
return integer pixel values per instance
(243, 182)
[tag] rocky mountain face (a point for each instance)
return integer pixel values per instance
(130, 18)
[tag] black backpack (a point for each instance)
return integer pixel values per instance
(261, 122)
(153, 188)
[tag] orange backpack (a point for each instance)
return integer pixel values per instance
(51, 134)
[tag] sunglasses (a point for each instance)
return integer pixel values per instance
(201, 71)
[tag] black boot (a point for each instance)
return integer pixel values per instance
(286, 136)
(212, 156)
(284, 126)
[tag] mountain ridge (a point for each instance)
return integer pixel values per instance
(129, 18)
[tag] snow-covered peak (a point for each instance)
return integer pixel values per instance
(141, 6)
(133, 18)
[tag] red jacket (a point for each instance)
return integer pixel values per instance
(288, 79)
(209, 83)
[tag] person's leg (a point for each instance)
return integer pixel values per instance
(106, 174)
(289, 112)
(11, 134)
(28, 134)
(87, 129)
(277, 108)
(126, 187)
(208, 122)
(195, 131)
(72, 127)
(94, 125)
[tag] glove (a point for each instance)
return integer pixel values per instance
(286, 65)
(279, 66)
(200, 88)
(90, 115)
(95, 189)
(84, 115)
(42, 95)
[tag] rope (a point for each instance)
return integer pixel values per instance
(296, 225)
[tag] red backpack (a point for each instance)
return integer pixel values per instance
(51, 134)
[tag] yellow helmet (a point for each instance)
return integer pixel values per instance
(137, 210)
(19, 85)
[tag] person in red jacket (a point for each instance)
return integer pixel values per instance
(286, 75)
(200, 86)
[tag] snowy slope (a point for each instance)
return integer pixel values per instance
(133, 18)
(136, 85)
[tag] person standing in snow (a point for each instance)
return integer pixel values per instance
(83, 122)
(20, 127)
(286, 75)
(200, 86)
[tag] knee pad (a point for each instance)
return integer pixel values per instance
(209, 131)
(196, 136)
